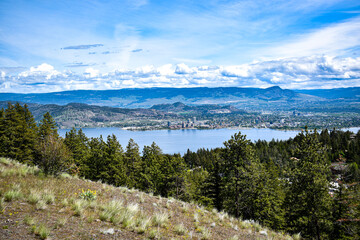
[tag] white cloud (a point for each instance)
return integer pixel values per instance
(333, 39)
(91, 73)
(182, 68)
(291, 73)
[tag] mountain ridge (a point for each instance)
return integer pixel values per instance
(147, 97)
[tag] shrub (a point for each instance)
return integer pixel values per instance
(12, 195)
(88, 195)
(111, 209)
(64, 202)
(5, 161)
(180, 229)
(34, 197)
(29, 220)
(154, 234)
(61, 222)
(54, 157)
(160, 219)
(41, 205)
(79, 207)
(48, 197)
(133, 208)
(142, 223)
(42, 231)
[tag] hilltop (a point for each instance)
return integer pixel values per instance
(36, 206)
(84, 115)
(147, 97)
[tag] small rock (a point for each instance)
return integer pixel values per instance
(110, 231)
(213, 224)
(264, 233)
(155, 205)
(236, 228)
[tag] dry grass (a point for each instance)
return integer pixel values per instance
(33, 206)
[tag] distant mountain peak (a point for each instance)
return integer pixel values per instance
(275, 88)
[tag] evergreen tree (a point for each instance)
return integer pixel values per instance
(152, 177)
(28, 138)
(195, 185)
(240, 176)
(77, 143)
(11, 133)
(113, 171)
(94, 162)
(17, 133)
(175, 168)
(48, 127)
(133, 164)
(308, 199)
(270, 197)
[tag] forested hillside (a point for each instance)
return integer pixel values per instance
(307, 185)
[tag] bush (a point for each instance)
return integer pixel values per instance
(53, 157)
(88, 195)
(12, 195)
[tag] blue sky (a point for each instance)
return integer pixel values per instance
(65, 45)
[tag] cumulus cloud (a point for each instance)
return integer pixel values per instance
(290, 73)
(183, 69)
(91, 73)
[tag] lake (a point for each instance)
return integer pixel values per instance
(178, 141)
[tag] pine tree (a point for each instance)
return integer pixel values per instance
(28, 136)
(18, 133)
(94, 162)
(240, 176)
(270, 197)
(77, 143)
(48, 127)
(113, 171)
(152, 177)
(308, 200)
(175, 169)
(195, 185)
(11, 137)
(133, 164)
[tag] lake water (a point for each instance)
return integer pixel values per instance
(178, 141)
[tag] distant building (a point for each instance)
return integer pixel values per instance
(169, 123)
(194, 120)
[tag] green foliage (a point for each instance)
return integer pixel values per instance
(133, 164)
(54, 157)
(88, 195)
(240, 177)
(194, 186)
(281, 184)
(47, 127)
(77, 143)
(308, 201)
(17, 133)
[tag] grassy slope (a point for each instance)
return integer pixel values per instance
(51, 207)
